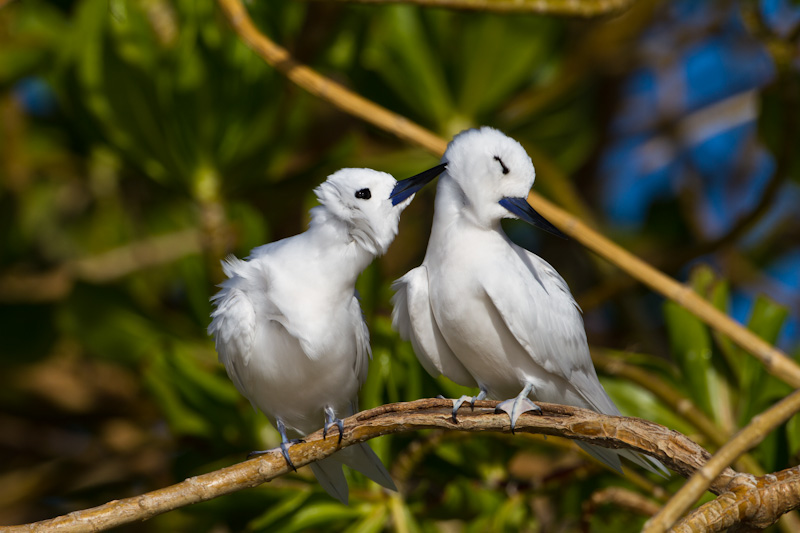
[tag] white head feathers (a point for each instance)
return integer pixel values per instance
(359, 198)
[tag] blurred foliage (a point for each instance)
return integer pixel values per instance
(123, 121)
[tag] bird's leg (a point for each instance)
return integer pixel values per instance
(521, 404)
(481, 396)
(330, 420)
(284, 441)
(472, 399)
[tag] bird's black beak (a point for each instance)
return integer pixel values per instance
(521, 208)
(409, 186)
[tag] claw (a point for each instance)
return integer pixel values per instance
(456, 405)
(481, 396)
(257, 453)
(285, 452)
(330, 420)
(515, 407)
(284, 441)
(472, 399)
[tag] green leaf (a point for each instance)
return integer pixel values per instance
(793, 434)
(691, 348)
(160, 379)
(286, 506)
(767, 318)
(759, 389)
(399, 52)
(322, 514)
(484, 82)
(372, 522)
(633, 400)
(216, 388)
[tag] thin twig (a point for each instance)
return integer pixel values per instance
(564, 8)
(774, 360)
(101, 268)
(624, 499)
(673, 449)
(749, 436)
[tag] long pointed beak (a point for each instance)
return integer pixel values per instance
(409, 186)
(521, 208)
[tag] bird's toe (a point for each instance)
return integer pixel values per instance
(515, 407)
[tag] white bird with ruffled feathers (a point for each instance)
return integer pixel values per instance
(288, 324)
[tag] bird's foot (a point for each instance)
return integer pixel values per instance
(472, 399)
(284, 451)
(458, 403)
(515, 407)
(332, 420)
(284, 446)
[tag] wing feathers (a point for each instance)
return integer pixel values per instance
(413, 318)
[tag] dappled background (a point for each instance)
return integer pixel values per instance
(141, 141)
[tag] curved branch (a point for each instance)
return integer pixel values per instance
(567, 8)
(757, 504)
(774, 360)
(101, 268)
(748, 437)
(624, 499)
(673, 449)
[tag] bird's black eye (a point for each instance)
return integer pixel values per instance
(363, 194)
(502, 165)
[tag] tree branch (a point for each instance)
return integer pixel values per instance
(676, 451)
(774, 360)
(100, 268)
(749, 436)
(625, 499)
(673, 449)
(566, 8)
(757, 504)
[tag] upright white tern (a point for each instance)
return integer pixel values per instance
(288, 324)
(485, 312)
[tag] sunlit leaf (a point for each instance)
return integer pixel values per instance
(691, 347)
(288, 505)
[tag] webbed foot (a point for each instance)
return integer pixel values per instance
(516, 406)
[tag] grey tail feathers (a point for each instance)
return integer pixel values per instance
(358, 457)
(329, 474)
(361, 457)
(611, 457)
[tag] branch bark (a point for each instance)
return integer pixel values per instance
(676, 451)
(749, 436)
(757, 503)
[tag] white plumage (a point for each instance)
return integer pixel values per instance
(487, 313)
(288, 325)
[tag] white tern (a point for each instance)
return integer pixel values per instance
(288, 324)
(485, 312)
